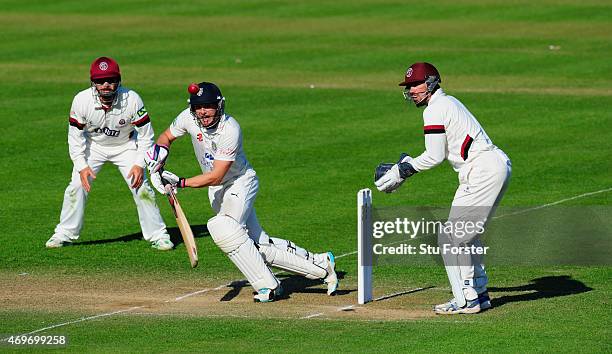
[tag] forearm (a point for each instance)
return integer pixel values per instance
(76, 148)
(434, 154)
(426, 161)
(165, 138)
(203, 180)
(144, 141)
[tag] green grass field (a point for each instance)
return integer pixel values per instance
(314, 87)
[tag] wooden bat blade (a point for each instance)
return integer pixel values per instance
(186, 232)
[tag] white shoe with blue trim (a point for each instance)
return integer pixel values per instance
(451, 307)
(332, 278)
(268, 295)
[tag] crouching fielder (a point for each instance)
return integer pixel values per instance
(233, 186)
(453, 133)
(108, 123)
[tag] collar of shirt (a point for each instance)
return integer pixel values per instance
(439, 93)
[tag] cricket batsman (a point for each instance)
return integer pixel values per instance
(232, 188)
(108, 123)
(453, 133)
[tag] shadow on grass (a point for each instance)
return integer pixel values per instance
(174, 232)
(291, 284)
(540, 288)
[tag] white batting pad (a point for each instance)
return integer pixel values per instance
(233, 239)
(280, 258)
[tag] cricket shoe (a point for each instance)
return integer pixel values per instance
(56, 242)
(332, 278)
(451, 307)
(163, 244)
(484, 300)
(268, 295)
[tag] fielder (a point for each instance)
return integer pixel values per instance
(453, 133)
(108, 123)
(233, 186)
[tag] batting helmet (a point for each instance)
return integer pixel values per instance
(208, 93)
(104, 67)
(419, 73)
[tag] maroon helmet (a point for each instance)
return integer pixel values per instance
(104, 67)
(419, 73)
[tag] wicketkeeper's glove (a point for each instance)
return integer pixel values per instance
(388, 177)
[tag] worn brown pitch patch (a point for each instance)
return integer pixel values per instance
(205, 298)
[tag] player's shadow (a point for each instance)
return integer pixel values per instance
(174, 232)
(299, 284)
(198, 231)
(540, 288)
(291, 284)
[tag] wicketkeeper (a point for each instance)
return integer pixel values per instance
(453, 133)
(232, 188)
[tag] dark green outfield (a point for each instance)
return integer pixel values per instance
(314, 87)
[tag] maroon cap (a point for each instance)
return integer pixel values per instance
(418, 73)
(104, 67)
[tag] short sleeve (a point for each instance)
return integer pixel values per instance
(178, 127)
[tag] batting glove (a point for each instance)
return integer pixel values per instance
(155, 158)
(172, 181)
(157, 183)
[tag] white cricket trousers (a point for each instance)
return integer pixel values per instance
(75, 196)
(482, 184)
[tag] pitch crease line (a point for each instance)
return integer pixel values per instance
(554, 203)
(191, 294)
(83, 319)
(312, 316)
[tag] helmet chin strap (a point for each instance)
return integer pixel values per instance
(423, 101)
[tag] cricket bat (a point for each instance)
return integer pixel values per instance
(183, 225)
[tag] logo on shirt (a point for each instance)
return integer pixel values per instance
(108, 132)
(121, 122)
(142, 112)
(208, 161)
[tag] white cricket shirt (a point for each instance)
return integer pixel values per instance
(124, 125)
(222, 143)
(451, 132)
